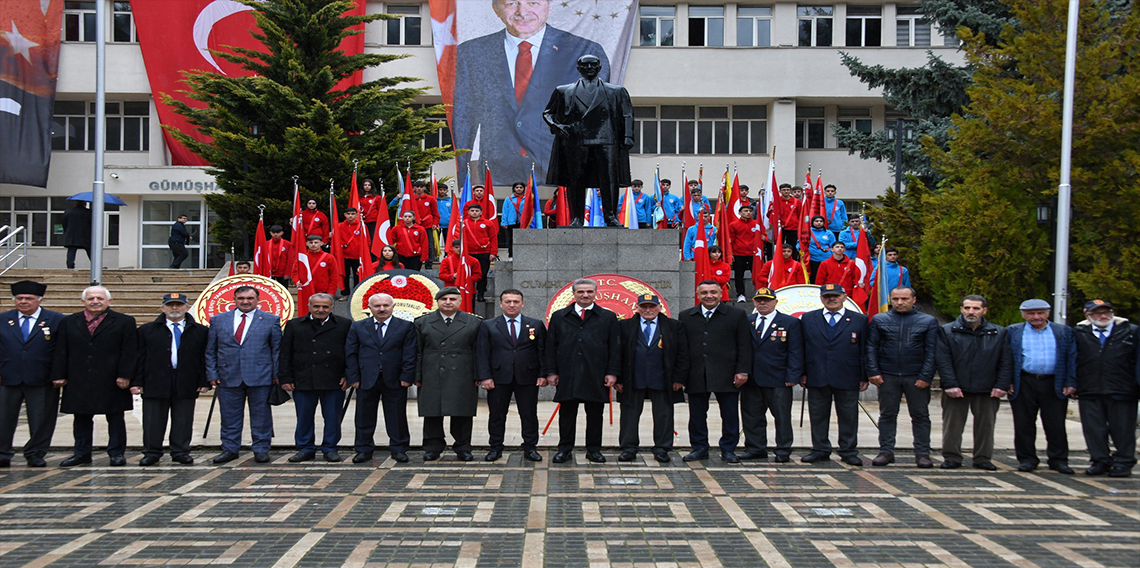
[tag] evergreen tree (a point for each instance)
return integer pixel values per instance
(299, 115)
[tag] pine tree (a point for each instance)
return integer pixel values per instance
(297, 116)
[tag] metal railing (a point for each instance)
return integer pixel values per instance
(11, 246)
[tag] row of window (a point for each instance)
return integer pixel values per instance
(128, 126)
(79, 22)
(42, 219)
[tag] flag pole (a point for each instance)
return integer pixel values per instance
(98, 188)
(1065, 189)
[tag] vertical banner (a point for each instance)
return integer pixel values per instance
(499, 61)
(29, 63)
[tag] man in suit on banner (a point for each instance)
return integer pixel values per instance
(777, 366)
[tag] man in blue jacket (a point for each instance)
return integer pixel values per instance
(1044, 376)
(777, 365)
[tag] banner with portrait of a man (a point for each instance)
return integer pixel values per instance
(500, 60)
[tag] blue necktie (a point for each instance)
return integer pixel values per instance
(177, 336)
(26, 327)
(648, 331)
(1100, 332)
(833, 318)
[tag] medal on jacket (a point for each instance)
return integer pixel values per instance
(854, 337)
(783, 335)
(659, 343)
(530, 332)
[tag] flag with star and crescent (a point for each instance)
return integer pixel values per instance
(29, 62)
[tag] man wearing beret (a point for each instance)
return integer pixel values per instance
(445, 373)
(1107, 388)
(27, 342)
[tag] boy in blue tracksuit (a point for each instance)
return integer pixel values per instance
(691, 236)
(643, 203)
(819, 244)
(834, 210)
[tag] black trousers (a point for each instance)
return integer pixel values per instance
(395, 403)
(755, 402)
(568, 425)
(155, 413)
(71, 255)
(740, 265)
(411, 262)
(509, 235)
(499, 403)
(83, 428)
(1036, 394)
(351, 274)
(632, 403)
(42, 403)
(434, 440)
(1103, 416)
(484, 259)
(729, 404)
(180, 254)
(891, 392)
(847, 413)
(813, 267)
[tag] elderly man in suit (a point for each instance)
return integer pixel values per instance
(508, 360)
(171, 374)
(241, 362)
(95, 362)
(777, 365)
(835, 371)
(445, 374)
(27, 342)
(380, 353)
(502, 81)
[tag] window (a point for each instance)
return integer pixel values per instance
(657, 25)
(754, 26)
(683, 129)
(79, 21)
(406, 29)
(128, 126)
(911, 30)
(815, 25)
(158, 216)
(857, 118)
(950, 38)
(441, 137)
(809, 127)
(123, 29)
(42, 219)
(864, 26)
(706, 26)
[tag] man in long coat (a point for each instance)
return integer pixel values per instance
(95, 362)
(445, 374)
(583, 359)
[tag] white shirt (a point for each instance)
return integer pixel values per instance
(248, 322)
(511, 47)
(767, 322)
(174, 346)
(1096, 330)
(838, 315)
(579, 309)
(32, 319)
(707, 313)
(383, 325)
(652, 328)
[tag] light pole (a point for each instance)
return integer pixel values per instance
(903, 129)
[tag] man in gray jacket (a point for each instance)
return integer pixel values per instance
(445, 374)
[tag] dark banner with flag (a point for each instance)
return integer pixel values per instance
(29, 63)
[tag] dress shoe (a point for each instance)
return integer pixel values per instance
(729, 457)
(80, 460)
(1120, 471)
(783, 459)
(464, 456)
(183, 459)
(5, 463)
(532, 455)
(986, 466)
(362, 457)
(852, 460)
(562, 457)
(662, 456)
(118, 461)
(883, 458)
(261, 457)
(225, 456)
(813, 457)
(627, 456)
(611, 221)
(37, 461)
(431, 456)
(333, 457)
(148, 460)
(576, 224)
(596, 457)
(400, 457)
(1026, 467)
(696, 455)
(950, 465)
(493, 455)
(753, 455)
(1061, 467)
(302, 457)
(923, 461)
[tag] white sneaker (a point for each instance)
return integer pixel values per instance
(740, 299)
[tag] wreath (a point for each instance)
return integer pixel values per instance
(412, 293)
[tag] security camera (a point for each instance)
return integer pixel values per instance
(114, 176)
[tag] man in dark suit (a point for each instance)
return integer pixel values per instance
(1107, 386)
(445, 374)
(381, 364)
(312, 367)
(241, 362)
(171, 374)
(179, 238)
(508, 360)
(95, 360)
(655, 365)
(502, 81)
(583, 358)
(77, 231)
(27, 341)
(834, 341)
(777, 366)
(720, 357)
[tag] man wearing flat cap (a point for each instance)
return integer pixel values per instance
(777, 366)
(445, 374)
(171, 374)
(1107, 388)
(1044, 363)
(27, 342)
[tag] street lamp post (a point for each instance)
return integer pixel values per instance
(903, 130)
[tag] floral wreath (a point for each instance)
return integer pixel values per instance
(414, 295)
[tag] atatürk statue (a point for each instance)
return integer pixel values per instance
(592, 122)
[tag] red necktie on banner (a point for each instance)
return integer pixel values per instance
(524, 66)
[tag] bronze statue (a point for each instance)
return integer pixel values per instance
(592, 122)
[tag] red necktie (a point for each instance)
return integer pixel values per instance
(524, 66)
(240, 330)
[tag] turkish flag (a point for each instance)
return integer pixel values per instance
(178, 36)
(29, 62)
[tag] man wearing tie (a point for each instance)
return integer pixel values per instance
(777, 365)
(835, 372)
(26, 346)
(1107, 369)
(508, 360)
(241, 362)
(381, 364)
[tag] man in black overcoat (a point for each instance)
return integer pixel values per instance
(777, 366)
(94, 363)
(583, 359)
(720, 357)
(77, 231)
(171, 374)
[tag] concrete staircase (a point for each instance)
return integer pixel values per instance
(135, 292)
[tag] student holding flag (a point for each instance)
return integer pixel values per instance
(691, 235)
(644, 205)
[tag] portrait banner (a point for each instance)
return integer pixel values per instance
(499, 61)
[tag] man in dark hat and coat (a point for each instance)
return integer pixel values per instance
(445, 374)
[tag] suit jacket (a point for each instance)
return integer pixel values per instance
(368, 358)
(719, 349)
(445, 364)
(1065, 368)
(778, 355)
(668, 336)
(836, 353)
(582, 352)
(156, 376)
(496, 358)
(312, 356)
(90, 363)
(254, 361)
(27, 362)
(485, 99)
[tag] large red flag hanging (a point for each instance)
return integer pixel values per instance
(383, 225)
(261, 260)
(562, 210)
(407, 201)
(863, 280)
(807, 210)
(734, 199)
(490, 206)
(363, 251)
(723, 219)
(29, 66)
(701, 256)
(778, 272)
(689, 220)
(455, 224)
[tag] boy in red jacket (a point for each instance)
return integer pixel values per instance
(411, 242)
(323, 271)
(793, 271)
(354, 246)
(479, 236)
(839, 269)
(281, 255)
(449, 267)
